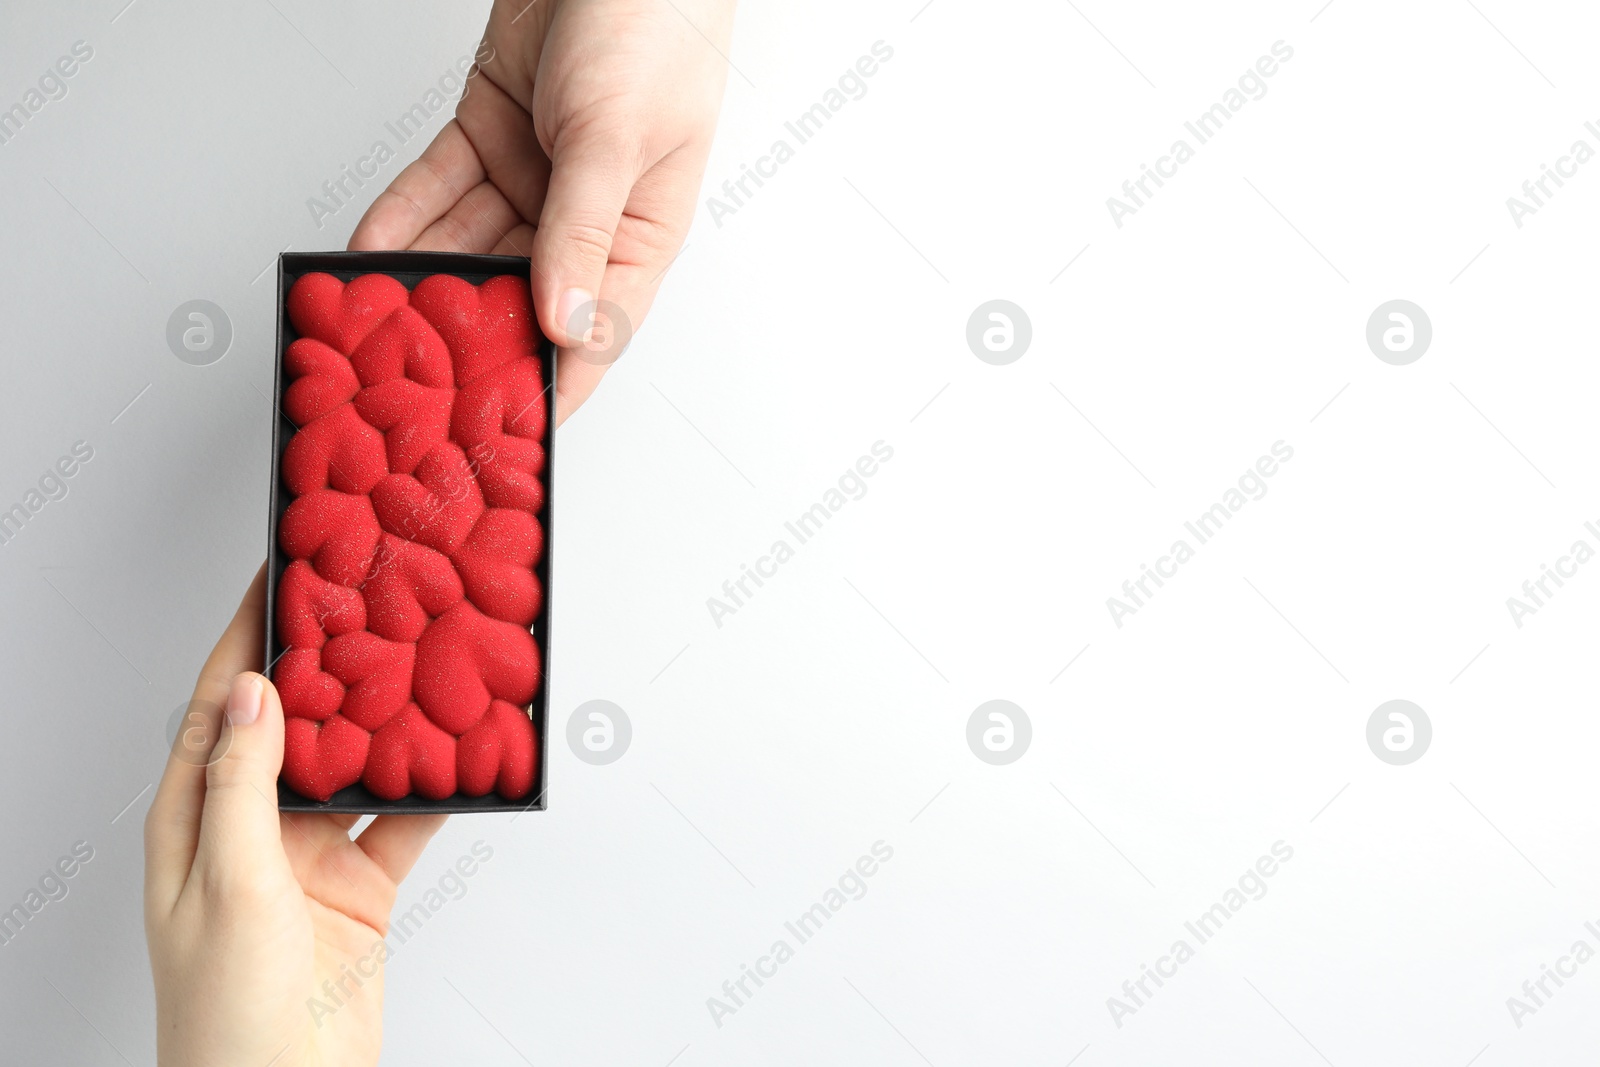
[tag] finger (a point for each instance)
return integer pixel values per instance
(172, 825)
(476, 223)
(239, 827)
(576, 381)
(627, 292)
(647, 242)
(394, 842)
(502, 132)
(420, 194)
(331, 870)
(518, 241)
(589, 185)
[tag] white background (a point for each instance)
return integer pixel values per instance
(831, 711)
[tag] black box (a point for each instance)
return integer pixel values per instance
(408, 268)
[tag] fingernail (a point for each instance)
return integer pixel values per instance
(572, 312)
(244, 700)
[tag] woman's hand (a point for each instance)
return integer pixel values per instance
(265, 929)
(580, 142)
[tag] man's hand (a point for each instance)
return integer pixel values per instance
(580, 142)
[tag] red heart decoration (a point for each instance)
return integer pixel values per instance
(338, 451)
(341, 315)
(337, 532)
(304, 688)
(404, 345)
(416, 475)
(496, 565)
(498, 753)
(323, 379)
(311, 608)
(409, 587)
(500, 420)
(437, 507)
(466, 659)
(321, 758)
(483, 325)
(414, 419)
(411, 754)
(376, 675)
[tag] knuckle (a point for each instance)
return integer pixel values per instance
(599, 134)
(232, 771)
(454, 233)
(585, 240)
(213, 679)
(237, 887)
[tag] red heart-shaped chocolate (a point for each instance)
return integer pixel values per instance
(338, 451)
(483, 325)
(321, 758)
(437, 506)
(337, 532)
(404, 345)
(311, 608)
(498, 753)
(323, 379)
(414, 419)
(305, 689)
(496, 565)
(411, 754)
(409, 587)
(340, 314)
(499, 420)
(417, 473)
(466, 659)
(376, 675)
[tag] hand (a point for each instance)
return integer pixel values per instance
(580, 142)
(255, 917)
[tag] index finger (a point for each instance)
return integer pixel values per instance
(421, 194)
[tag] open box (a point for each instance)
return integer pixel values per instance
(409, 268)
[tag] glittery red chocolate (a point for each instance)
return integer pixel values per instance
(417, 471)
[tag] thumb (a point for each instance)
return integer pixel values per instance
(590, 183)
(239, 822)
